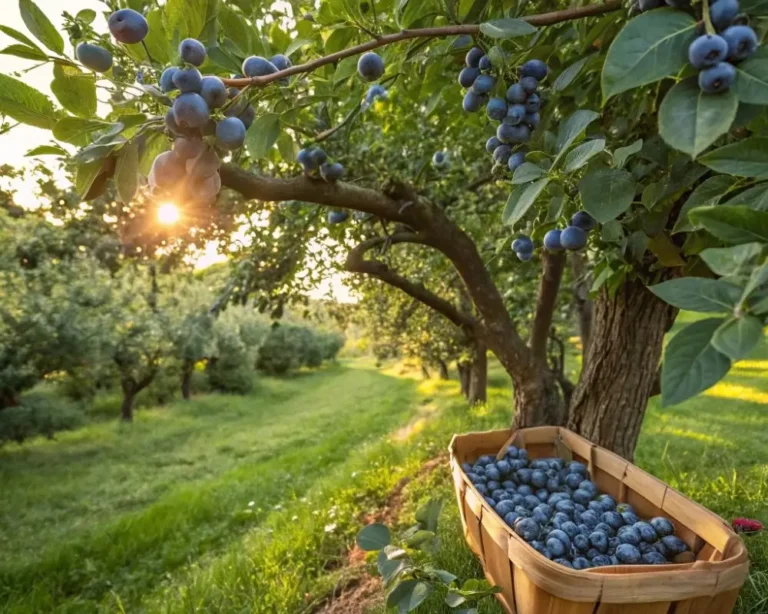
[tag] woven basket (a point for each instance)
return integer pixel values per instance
(532, 584)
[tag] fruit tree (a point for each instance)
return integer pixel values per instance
(628, 138)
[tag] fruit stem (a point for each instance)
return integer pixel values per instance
(149, 55)
(707, 19)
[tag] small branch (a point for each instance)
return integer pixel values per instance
(549, 287)
(543, 19)
(331, 131)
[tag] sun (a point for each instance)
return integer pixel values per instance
(168, 214)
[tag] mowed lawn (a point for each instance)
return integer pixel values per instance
(157, 517)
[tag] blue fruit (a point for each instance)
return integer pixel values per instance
(599, 541)
(742, 42)
(214, 92)
(520, 133)
(128, 26)
(374, 92)
(188, 80)
(553, 484)
(491, 484)
(509, 485)
(186, 148)
(257, 66)
(319, 156)
(485, 63)
(483, 84)
(722, 13)
(496, 109)
(504, 507)
(192, 51)
(503, 467)
(304, 157)
(512, 451)
(573, 238)
(524, 256)
(282, 62)
(629, 535)
(492, 473)
(583, 220)
(533, 104)
(629, 518)
(331, 172)
(581, 563)
(581, 542)
(566, 506)
(486, 459)
(534, 68)
(601, 560)
(166, 79)
(542, 513)
(530, 502)
(562, 536)
(527, 528)
(500, 494)
(647, 532)
(515, 114)
(472, 102)
(466, 467)
(673, 545)
(607, 502)
(473, 56)
(516, 94)
(511, 518)
(603, 527)
(438, 159)
(539, 479)
(532, 119)
(491, 144)
(370, 66)
(167, 170)
(94, 57)
(556, 547)
(590, 518)
(488, 500)
(613, 520)
(707, 50)
(339, 217)
(552, 244)
(529, 85)
(653, 558)
(467, 77)
(717, 79)
(662, 526)
(523, 245)
(190, 111)
(580, 495)
(522, 455)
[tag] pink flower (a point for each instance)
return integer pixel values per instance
(745, 525)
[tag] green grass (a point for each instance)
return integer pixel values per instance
(156, 517)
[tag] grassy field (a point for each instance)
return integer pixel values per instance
(249, 504)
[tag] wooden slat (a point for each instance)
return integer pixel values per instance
(696, 518)
(646, 485)
(661, 607)
(531, 599)
(473, 511)
(579, 446)
(495, 535)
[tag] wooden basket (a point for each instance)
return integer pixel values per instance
(532, 584)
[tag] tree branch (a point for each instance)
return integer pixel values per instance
(357, 263)
(543, 19)
(549, 285)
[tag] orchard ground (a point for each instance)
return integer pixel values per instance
(227, 504)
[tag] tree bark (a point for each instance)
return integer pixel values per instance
(621, 367)
(131, 388)
(549, 286)
(464, 373)
(186, 379)
(478, 376)
(581, 301)
(424, 371)
(126, 408)
(443, 368)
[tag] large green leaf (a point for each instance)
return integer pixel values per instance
(521, 199)
(40, 26)
(236, 28)
(46, 150)
(622, 154)
(77, 130)
(731, 261)
(25, 104)
(710, 192)
(581, 154)
(650, 47)
(734, 224)
(408, 595)
(127, 173)
(15, 34)
(262, 135)
(747, 158)
(25, 52)
(74, 89)
(606, 193)
(571, 129)
(373, 537)
(507, 28)
(691, 363)
(526, 173)
(690, 120)
(700, 294)
(754, 7)
(755, 197)
(751, 83)
(86, 173)
(737, 337)
(185, 18)
(565, 78)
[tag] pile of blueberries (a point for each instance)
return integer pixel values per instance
(715, 54)
(554, 506)
(573, 237)
(517, 112)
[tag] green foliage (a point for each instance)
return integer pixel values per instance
(38, 415)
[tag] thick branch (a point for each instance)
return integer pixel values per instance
(549, 285)
(343, 195)
(357, 263)
(543, 19)
(582, 302)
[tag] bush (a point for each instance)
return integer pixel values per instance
(231, 369)
(288, 347)
(38, 414)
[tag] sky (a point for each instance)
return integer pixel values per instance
(21, 139)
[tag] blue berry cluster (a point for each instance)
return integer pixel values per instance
(517, 112)
(315, 160)
(558, 510)
(374, 92)
(523, 247)
(573, 237)
(715, 54)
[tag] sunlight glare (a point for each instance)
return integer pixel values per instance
(168, 214)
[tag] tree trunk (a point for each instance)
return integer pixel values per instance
(443, 369)
(624, 352)
(538, 400)
(464, 375)
(424, 371)
(478, 376)
(8, 399)
(581, 301)
(549, 286)
(126, 409)
(186, 379)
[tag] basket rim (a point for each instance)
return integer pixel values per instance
(734, 565)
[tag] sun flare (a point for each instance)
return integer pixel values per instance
(168, 214)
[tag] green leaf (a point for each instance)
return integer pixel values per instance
(76, 130)
(46, 150)
(565, 78)
(408, 595)
(667, 252)
(581, 154)
(85, 175)
(754, 7)
(755, 197)
(691, 363)
(612, 232)
(747, 158)
(155, 144)
(295, 45)
(373, 537)
(25, 104)
(40, 26)
(236, 28)
(419, 538)
(428, 515)
(650, 47)
(185, 18)
(345, 69)
(710, 192)
(732, 261)
(127, 173)
(506, 28)
(86, 16)
(74, 89)
(737, 337)
(690, 120)
(622, 154)
(699, 294)
(751, 83)
(222, 58)
(606, 193)
(262, 135)
(637, 243)
(520, 200)
(570, 130)
(446, 577)
(15, 34)
(733, 224)
(25, 52)
(526, 173)
(758, 279)
(454, 600)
